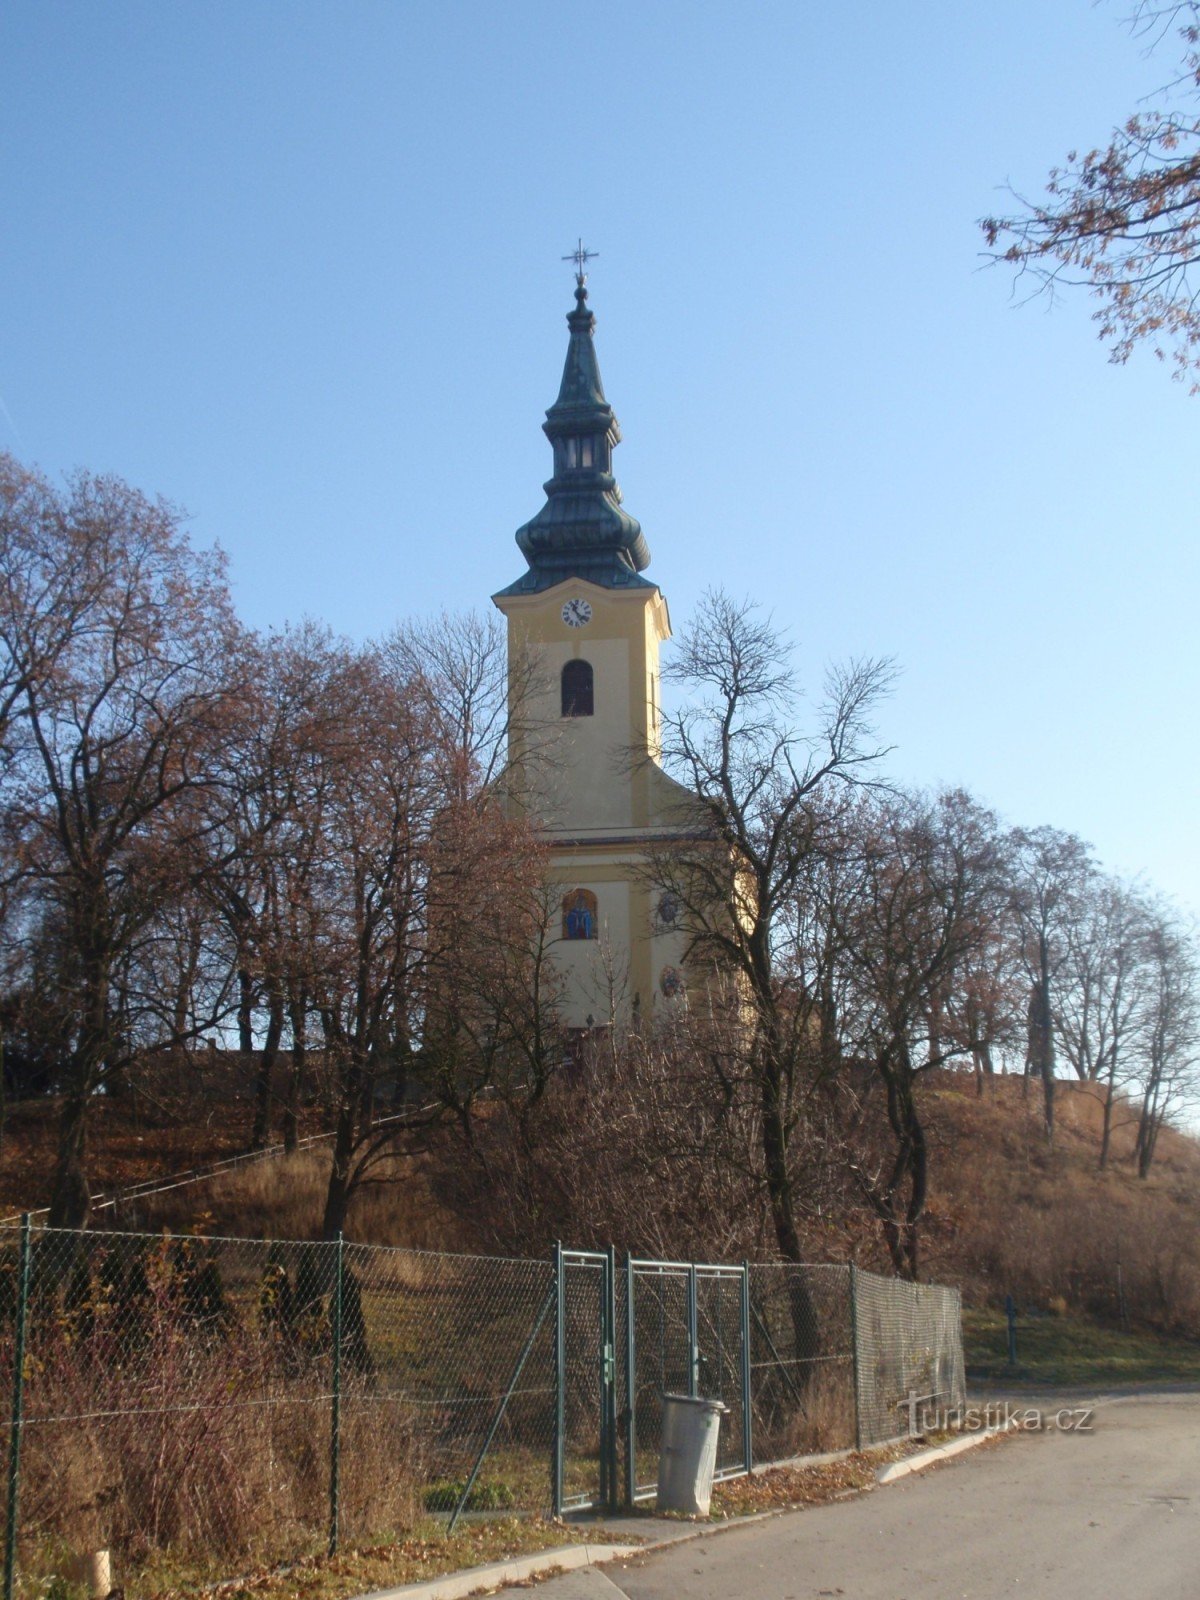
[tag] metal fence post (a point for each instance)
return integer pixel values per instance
(747, 1419)
(335, 1429)
(854, 1355)
(18, 1403)
(608, 1393)
(630, 1385)
(693, 1334)
(560, 1379)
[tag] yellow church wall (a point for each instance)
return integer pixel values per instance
(627, 959)
(594, 784)
(584, 770)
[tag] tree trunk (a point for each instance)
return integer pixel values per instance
(1148, 1126)
(775, 1166)
(71, 1200)
(345, 1138)
(187, 979)
(910, 1169)
(337, 1194)
(245, 1011)
(1106, 1130)
(266, 1068)
(366, 1114)
(297, 1007)
(1146, 1158)
(1039, 1057)
(981, 1057)
(805, 1333)
(1142, 1142)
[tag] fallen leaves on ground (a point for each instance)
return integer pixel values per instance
(410, 1559)
(812, 1484)
(779, 1487)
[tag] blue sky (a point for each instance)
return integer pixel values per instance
(295, 266)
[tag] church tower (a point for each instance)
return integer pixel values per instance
(584, 631)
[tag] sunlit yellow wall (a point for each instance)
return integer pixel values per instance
(594, 783)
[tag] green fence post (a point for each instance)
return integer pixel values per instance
(630, 1386)
(747, 1420)
(608, 1391)
(560, 1380)
(335, 1424)
(693, 1334)
(18, 1404)
(854, 1355)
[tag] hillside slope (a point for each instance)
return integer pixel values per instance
(1007, 1214)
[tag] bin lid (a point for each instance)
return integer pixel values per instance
(696, 1400)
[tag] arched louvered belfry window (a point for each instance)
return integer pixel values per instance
(579, 914)
(578, 697)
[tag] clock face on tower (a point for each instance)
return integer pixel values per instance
(576, 612)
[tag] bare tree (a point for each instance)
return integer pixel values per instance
(895, 914)
(433, 946)
(1170, 1044)
(276, 769)
(762, 793)
(1051, 871)
(459, 663)
(487, 695)
(111, 734)
(1099, 998)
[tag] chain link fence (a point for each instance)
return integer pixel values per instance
(802, 1359)
(908, 1338)
(205, 1407)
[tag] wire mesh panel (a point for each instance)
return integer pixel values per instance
(801, 1360)
(910, 1355)
(197, 1406)
(719, 1363)
(587, 1357)
(439, 1350)
(176, 1403)
(10, 1298)
(660, 1361)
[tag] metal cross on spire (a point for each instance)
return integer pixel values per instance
(581, 257)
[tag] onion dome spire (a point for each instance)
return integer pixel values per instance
(582, 531)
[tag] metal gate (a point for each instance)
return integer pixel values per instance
(686, 1332)
(585, 1392)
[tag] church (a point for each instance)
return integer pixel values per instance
(584, 632)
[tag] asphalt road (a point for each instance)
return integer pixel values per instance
(1113, 1514)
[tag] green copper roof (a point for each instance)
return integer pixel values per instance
(582, 531)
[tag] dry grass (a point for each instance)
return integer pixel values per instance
(232, 1472)
(1010, 1214)
(128, 1143)
(821, 1418)
(284, 1198)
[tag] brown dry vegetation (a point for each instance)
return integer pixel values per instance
(282, 1198)
(185, 1111)
(1011, 1215)
(1007, 1212)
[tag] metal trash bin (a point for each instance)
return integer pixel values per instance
(688, 1458)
